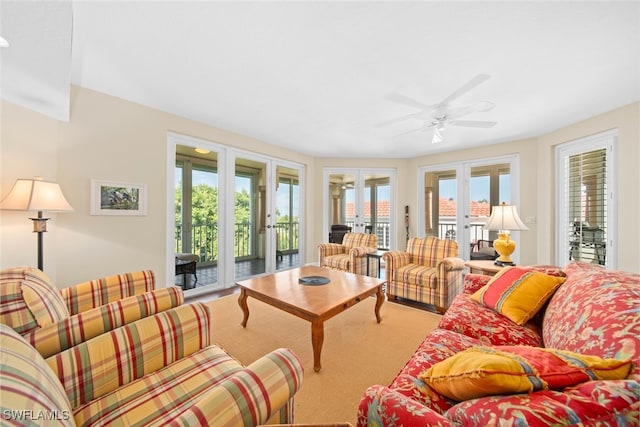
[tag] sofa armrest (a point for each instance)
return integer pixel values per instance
(473, 282)
(252, 395)
(446, 265)
(108, 361)
(383, 406)
(94, 293)
(57, 337)
(361, 251)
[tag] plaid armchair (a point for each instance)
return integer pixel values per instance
(350, 256)
(160, 370)
(53, 320)
(428, 271)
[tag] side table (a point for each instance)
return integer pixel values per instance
(374, 256)
(488, 268)
(184, 268)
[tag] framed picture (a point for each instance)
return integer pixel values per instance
(118, 198)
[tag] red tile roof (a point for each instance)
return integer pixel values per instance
(447, 208)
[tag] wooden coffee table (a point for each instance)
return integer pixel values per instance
(315, 303)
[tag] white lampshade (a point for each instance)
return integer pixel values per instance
(505, 217)
(35, 195)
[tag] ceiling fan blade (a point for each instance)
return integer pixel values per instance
(420, 129)
(480, 107)
(472, 123)
(480, 78)
(396, 120)
(405, 100)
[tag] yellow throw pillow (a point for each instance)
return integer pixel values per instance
(486, 371)
(517, 293)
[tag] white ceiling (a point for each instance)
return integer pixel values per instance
(314, 76)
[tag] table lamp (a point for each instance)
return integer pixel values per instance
(504, 219)
(36, 195)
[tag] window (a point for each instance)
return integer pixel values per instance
(586, 200)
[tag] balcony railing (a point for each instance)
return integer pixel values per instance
(204, 240)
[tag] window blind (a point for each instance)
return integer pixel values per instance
(587, 206)
(585, 183)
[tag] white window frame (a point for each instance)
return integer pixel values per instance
(608, 141)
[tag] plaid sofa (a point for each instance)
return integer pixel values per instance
(349, 256)
(160, 370)
(428, 271)
(53, 320)
(594, 312)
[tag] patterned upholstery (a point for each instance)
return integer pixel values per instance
(60, 336)
(156, 371)
(350, 256)
(53, 320)
(27, 383)
(595, 312)
(428, 271)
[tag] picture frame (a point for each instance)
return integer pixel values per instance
(118, 198)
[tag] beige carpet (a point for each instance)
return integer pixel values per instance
(357, 351)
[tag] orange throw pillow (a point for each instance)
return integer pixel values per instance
(517, 293)
(486, 371)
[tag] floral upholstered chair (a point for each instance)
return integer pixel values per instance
(350, 256)
(428, 272)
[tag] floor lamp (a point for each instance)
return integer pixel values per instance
(504, 219)
(36, 195)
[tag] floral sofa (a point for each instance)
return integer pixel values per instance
(594, 314)
(159, 370)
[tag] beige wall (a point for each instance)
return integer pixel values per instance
(537, 194)
(109, 138)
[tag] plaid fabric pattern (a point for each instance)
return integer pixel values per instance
(28, 299)
(350, 256)
(163, 394)
(94, 293)
(78, 328)
(428, 271)
(27, 383)
(101, 365)
(249, 397)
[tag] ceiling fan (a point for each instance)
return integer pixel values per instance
(442, 114)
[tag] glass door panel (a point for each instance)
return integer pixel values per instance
(287, 218)
(440, 204)
(249, 218)
(196, 211)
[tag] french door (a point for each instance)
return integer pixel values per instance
(240, 212)
(456, 198)
(362, 199)
(267, 214)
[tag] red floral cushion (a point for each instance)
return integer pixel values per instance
(597, 314)
(467, 317)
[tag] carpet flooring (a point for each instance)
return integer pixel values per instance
(357, 351)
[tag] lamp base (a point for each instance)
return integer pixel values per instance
(505, 247)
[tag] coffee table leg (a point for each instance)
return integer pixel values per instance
(242, 302)
(317, 338)
(379, 301)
